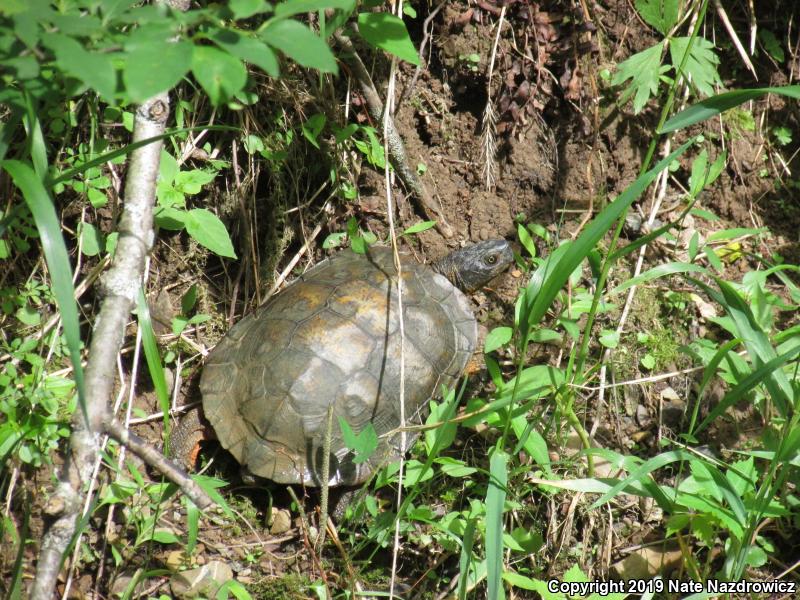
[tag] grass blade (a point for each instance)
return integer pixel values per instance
(55, 253)
(576, 251)
(756, 342)
(495, 499)
(657, 462)
(658, 272)
(153, 361)
(465, 559)
(711, 107)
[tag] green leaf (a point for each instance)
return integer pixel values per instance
(179, 323)
(188, 300)
(29, 316)
(771, 44)
(697, 179)
(389, 33)
(644, 70)
(526, 240)
(756, 557)
(499, 336)
(609, 338)
(524, 583)
(163, 536)
(416, 472)
(111, 242)
(419, 227)
(155, 67)
(529, 540)
(295, 7)
(91, 239)
(193, 525)
(713, 259)
(549, 278)
(312, 127)
(455, 468)
(172, 219)
(702, 63)
(713, 106)
(658, 272)
(362, 444)
(661, 14)
(192, 182)
(249, 49)
(233, 587)
(495, 501)
(96, 198)
(221, 75)
(465, 558)
(334, 240)
(93, 69)
(206, 228)
(735, 232)
(243, 9)
(299, 43)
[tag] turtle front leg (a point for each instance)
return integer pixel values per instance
(185, 438)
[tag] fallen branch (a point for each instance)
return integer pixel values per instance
(397, 151)
(158, 461)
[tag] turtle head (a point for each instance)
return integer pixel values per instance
(474, 266)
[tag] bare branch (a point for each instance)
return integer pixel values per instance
(158, 461)
(121, 286)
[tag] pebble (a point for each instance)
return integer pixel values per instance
(203, 581)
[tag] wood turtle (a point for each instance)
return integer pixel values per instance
(332, 338)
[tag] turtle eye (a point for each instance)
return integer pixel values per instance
(491, 259)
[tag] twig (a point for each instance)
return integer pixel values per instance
(159, 416)
(735, 38)
(158, 461)
(426, 36)
(395, 148)
(292, 263)
(401, 327)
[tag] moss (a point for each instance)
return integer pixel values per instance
(285, 587)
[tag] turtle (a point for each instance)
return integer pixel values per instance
(331, 339)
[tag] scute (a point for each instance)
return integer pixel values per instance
(331, 341)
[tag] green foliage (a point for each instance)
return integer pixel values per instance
(51, 50)
(363, 444)
(389, 33)
(171, 213)
(647, 70)
(660, 14)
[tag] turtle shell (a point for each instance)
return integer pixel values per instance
(332, 338)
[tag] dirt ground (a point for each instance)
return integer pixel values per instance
(563, 150)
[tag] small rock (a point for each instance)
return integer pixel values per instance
(121, 583)
(648, 562)
(202, 581)
(281, 521)
(642, 416)
(670, 395)
(175, 560)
